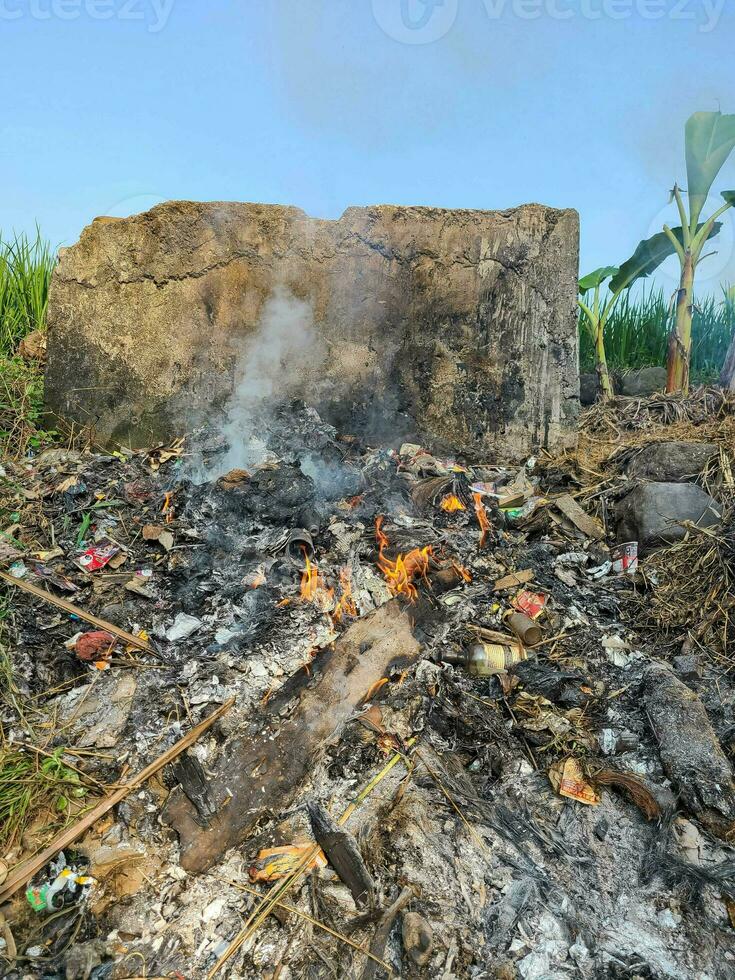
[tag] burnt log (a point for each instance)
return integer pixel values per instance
(690, 751)
(261, 772)
(342, 852)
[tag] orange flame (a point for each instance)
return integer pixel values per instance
(346, 605)
(310, 654)
(450, 504)
(309, 578)
(313, 588)
(461, 571)
(373, 689)
(481, 518)
(167, 509)
(258, 579)
(380, 535)
(400, 574)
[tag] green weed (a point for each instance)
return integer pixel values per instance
(26, 265)
(637, 333)
(21, 409)
(83, 528)
(31, 785)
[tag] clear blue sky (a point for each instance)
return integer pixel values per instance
(114, 105)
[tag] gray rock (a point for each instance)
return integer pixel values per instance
(651, 513)
(642, 383)
(671, 462)
(634, 384)
(727, 378)
(457, 325)
(589, 387)
(687, 667)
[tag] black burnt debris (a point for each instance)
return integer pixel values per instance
(473, 731)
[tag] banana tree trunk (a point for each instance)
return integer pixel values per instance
(601, 363)
(727, 378)
(680, 339)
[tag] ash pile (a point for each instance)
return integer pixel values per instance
(358, 712)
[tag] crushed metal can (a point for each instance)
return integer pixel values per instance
(525, 628)
(625, 558)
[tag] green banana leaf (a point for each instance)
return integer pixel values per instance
(596, 278)
(649, 255)
(710, 138)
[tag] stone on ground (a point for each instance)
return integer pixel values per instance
(642, 383)
(671, 462)
(651, 513)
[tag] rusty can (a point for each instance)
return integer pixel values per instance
(525, 629)
(299, 546)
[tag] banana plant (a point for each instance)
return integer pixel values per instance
(647, 257)
(596, 312)
(709, 139)
(727, 378)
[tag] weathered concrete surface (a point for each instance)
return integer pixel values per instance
(456, 326)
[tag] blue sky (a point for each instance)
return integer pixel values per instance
(114, 105)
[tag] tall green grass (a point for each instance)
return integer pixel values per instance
(26, 264)
(637, 334)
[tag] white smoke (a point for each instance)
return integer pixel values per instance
(274, 365)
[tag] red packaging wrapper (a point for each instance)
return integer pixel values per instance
(530, 603)
(97, 556)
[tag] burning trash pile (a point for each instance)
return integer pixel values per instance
(347, 711)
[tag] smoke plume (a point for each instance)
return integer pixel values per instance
(273, 366)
